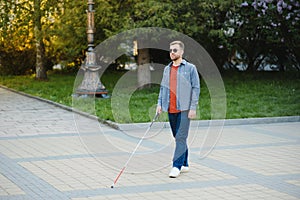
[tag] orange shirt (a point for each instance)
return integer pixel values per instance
(173, 89)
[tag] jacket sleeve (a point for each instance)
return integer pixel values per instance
(159, 100)
(162, 85)
(195, 84)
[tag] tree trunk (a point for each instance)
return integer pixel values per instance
(41, 72)
(143, 71)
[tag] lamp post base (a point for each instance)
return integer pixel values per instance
(91, 85)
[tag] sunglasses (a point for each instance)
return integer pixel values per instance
(173, 50)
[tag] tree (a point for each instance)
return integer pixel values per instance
(116, 16)
(67, 34)
(265, 29)
(25, 25)
(16, 47)
(206, 21)
(41, 71)
(56, 29)
(147, 14)
(284, 18)
(183, 16)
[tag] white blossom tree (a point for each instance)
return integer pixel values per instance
(277, 26)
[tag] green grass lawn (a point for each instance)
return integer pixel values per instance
(248, 95)
(262, 96)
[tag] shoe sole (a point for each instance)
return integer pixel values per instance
(184, 171)
(174, 176)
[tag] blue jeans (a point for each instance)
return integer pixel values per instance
(180, 124)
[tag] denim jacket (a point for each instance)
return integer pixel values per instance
(188, 87)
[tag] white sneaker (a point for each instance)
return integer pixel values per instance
(174, 173)
(184, 169)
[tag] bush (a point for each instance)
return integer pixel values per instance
(16, 62)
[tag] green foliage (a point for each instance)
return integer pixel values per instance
(16, 53)
(17, 62)
(209, 22)
(67, 37)
(261, 30)
(18, 36)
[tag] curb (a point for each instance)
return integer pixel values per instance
(194, 123)
(214, 123)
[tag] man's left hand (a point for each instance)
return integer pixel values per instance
(192, 114)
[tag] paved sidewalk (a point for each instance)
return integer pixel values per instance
(49, 153)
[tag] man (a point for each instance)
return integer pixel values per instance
(179, 95)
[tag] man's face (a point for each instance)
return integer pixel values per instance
(175, 52)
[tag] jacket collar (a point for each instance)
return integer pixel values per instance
(183, 62)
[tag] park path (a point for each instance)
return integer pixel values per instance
(47, 152)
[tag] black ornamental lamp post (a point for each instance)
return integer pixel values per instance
(91, 84)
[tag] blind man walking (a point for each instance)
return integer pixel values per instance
(179, 95)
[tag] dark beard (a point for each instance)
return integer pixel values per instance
(176, 58)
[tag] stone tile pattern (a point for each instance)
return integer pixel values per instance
(43, 156)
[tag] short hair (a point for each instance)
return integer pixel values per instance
(179, 43)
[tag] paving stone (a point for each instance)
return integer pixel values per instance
(47, 152)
